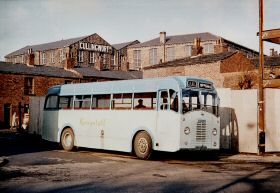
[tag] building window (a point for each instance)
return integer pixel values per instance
(62, 55)
(22, 59)
(208, 48)
(28, 86)
(137, 58)
(170, 53)
(188, 50)
(113, 60)
(52, 56)
(105, 61)
(91, 58)
(80, 56)
(44, 59)
(153, 56)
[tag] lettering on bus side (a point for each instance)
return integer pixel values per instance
(96, 124)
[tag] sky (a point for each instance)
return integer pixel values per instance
(29, 22)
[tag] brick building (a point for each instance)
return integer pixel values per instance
(86, 51)
(20, 81)
(168, 48)
(226, 69)
(120, 55)
(271, 66)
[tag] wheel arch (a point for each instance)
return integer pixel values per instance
(138, 130)
(61, 131)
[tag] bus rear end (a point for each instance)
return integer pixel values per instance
(50, 115)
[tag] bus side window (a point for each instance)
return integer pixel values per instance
(51, 102)
(101, 101)
(144, 101)
(122, 101)
(82, 102)
(65, 102)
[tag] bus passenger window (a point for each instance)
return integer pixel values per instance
(145, 101)
(101, 101)
(121, 101)
(82, 102)
(51, 102)
(65, 102)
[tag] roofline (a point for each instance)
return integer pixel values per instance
(82, 38)
(36, 74)
(175, 36)
(169, 64)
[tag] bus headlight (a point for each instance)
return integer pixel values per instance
(214, 132)
(187, 130)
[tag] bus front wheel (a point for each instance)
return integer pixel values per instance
(142, 145)
(67, 139)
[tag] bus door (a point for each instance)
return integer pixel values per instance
(166, 121)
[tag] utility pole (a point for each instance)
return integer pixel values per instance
(261, 129)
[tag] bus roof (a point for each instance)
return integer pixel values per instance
(137, 85)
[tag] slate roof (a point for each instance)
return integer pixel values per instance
(200, 59)
(47, 46)
(49, 71)
(9, 68)
(268, 61)
(122, 45)
(118, 75)
(178, 39)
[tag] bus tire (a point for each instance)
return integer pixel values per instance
(142, 145)
(67, 139)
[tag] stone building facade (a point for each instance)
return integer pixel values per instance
(168, 48)
(120, 56)
(215, 67)
(86, 51)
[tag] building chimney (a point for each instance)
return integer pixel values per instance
(68, 63)
(30, 57)
(162, 37)
(220, 46)
(196, 49)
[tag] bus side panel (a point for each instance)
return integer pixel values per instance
(115, 129)
(85, 126)
(50, 126)
(108, 129)
(123, 125)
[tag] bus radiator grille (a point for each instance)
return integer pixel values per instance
(201, 131)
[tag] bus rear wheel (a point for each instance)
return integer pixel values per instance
(67, 139)
(142, 145)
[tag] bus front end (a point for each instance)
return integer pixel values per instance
(200, 121)
(200, 131)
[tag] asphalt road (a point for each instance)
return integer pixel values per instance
(33, 165)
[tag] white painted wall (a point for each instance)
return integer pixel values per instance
(239, 120)
(272, 120)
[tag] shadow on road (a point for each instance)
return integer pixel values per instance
(12, 143)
